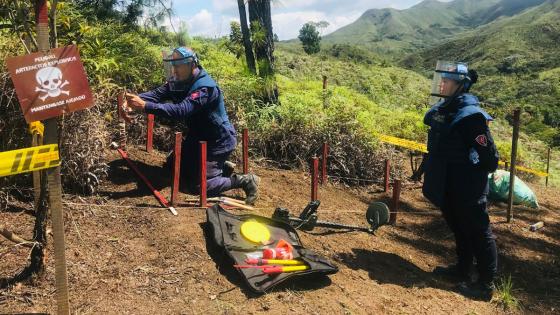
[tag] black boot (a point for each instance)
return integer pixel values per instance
(228, 169)
(482, 291)
(453, 272)
(250, 185)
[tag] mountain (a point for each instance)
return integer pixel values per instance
(425, 24)
(524, 43)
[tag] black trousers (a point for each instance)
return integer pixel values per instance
(473, 236)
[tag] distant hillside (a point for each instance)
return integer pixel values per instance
(518, 59)
(425, 24)
(523, 43)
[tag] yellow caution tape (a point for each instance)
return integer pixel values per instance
(422, 148)
(36, 127)
(29, 159)
(527, 170)
(403, 143)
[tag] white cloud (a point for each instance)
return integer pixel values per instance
(287, 25)
(202, 23)
(212, 18)
(228, 6)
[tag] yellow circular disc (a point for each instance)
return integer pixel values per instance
(255, 232)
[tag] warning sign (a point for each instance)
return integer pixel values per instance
(50, 84)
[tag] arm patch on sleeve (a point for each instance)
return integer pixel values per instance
(482, 140)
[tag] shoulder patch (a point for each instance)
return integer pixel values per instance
(482, 140)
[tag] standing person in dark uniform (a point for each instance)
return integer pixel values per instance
(198, 103)
(461, 153)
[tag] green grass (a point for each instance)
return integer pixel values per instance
(504, 296)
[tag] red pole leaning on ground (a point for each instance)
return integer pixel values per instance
(324, 164)
(154, 191)
(245, 144)
(314, 178)
(203, 173)
(395, 203)
(176, 168)
(387, 175)
(150, 133)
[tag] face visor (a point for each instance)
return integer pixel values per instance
(449, 79)
(177, 65)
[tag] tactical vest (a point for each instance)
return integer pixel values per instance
(207, 124)
(446, 147)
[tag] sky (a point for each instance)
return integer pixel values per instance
(211, 18)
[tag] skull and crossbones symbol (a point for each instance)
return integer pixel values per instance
(50, 82)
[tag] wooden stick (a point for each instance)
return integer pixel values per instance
(245, 146)
(14, 237)
(176, 168)
(150, 133)
(395, 203)
(387, 175)
(314, 178)
(547, 167)
(514, 140)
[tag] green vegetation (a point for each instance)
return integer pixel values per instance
(517, 58)
(399, 31)
(365, 95)
(504, 295)
(310, 39)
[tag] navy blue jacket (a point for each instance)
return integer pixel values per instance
(461, 152)
(201, 108)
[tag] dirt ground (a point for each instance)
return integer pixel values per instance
(126, 255)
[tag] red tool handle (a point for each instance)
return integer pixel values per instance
(156, 193)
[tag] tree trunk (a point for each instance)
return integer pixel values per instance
(246, 37)
(260, 17)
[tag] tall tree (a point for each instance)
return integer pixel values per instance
(249, 56)
(263, 37)
(310, 39)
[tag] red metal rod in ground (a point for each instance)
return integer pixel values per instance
(156, 193)
(387, 174)
(150, 133)
(176, 168)
(395, 203)
(324, 164)
(245, 146)
(314, 178)
(203, 173)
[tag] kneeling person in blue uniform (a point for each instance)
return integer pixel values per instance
(197, 102)
(461, 154)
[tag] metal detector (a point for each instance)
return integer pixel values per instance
(377, 215)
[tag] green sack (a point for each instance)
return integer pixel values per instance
(499, 190)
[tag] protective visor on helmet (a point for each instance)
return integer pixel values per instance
(175, 69)
(449, 77)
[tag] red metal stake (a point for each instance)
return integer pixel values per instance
(387, 174)
(176, 168)
(324, 164)
(156, 193)
(150, 133)
(245, 151)
(203, 173)
(395, 206)
(314, 178)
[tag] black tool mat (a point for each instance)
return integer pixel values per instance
(225, 233)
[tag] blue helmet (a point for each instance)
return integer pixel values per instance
(188, 56)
